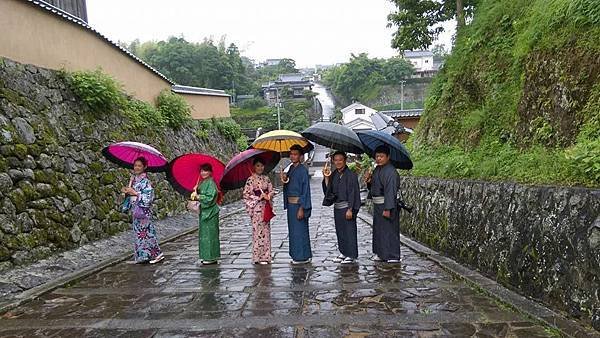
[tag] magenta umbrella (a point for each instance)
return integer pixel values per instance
(240, 167)
(184, 172)
(125, 154)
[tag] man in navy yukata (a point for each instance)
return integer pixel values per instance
(341, 188)
(296, 200)
(383, 184)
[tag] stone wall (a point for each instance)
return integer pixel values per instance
(415, 90)
(56, 189)
(542, 241)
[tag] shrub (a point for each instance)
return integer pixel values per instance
(253, 104)
(143, 114)
(100, 92)
(173, 108)
(228, 128)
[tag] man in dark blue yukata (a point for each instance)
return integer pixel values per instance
(296, 199)
(383, 185)
(342, 189)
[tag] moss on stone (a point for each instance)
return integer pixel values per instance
(19, 200)
(31, 194)
(96, 167)
(108, 178)
(34, 150)
(3, 164)
(55, 216)
(16, 99)
(48, 177)
(20, 151)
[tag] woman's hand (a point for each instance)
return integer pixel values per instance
(387, 214)
(129, 191)
(194, 196)
(349, 214)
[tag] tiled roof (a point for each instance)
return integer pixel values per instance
(198, 91)
(403, 113)
(417, 53)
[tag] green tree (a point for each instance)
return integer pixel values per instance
(396, 69)
(418, 20)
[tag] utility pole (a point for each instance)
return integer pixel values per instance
(278, 109)
(402, 82)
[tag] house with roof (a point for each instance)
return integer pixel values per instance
(357, 117)
(39, 33)
(423, 62)
(297, 83)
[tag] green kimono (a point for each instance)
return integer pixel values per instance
(208, 230)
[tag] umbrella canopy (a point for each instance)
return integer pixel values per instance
(240, 167)
(399, 155)
(184, 172)
(125, 154)
(335, 136)
(281, 141)
(386, 124)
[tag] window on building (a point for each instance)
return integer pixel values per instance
(359, 111)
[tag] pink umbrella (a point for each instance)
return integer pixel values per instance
(240, 167)
(184, 171)
(125, 154)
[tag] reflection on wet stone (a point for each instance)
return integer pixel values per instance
(180, 298)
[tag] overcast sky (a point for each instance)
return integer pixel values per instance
(308, 31)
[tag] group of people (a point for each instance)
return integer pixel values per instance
(341, 189)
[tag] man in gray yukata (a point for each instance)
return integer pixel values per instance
(383, 184)
(342, 188)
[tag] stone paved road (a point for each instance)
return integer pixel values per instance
(179, 298)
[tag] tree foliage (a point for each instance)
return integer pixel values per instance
(204, 64)
(361, 75)
(418, 21)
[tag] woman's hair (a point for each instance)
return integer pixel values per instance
(206, 167)
(142, 160)
(258, 160)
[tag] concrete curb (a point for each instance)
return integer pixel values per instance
(39, 290)
(494, 290)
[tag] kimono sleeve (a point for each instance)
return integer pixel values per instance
(390, 189)
(250, 199)
(208, 194)
(146, 194)
(353, 191)
(305, 201)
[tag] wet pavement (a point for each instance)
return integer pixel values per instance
(180, 298)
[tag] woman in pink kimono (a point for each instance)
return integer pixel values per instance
(258, 193)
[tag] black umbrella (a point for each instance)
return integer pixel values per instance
(399, 155)
(335, 136)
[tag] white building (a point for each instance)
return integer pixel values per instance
(422, 60)
(357, 117)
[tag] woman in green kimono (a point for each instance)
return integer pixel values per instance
(209, 196)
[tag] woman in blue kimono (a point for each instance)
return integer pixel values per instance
(141, 195)
(296, 200)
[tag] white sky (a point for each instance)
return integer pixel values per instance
(308, 31)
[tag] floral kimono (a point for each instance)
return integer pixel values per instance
(146, 243)
(208, 227)
(255, 206)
